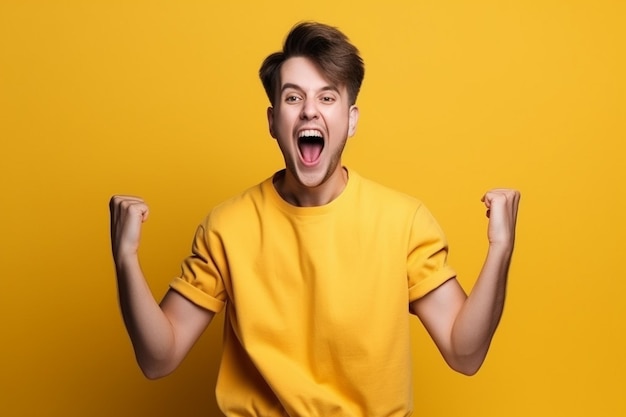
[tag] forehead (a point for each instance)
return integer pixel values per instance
(304, 73)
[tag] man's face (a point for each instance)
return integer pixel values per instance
(311, 121)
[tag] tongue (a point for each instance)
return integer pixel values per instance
(310, 151)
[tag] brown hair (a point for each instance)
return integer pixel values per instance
(327, 47)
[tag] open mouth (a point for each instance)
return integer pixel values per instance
(310, 144)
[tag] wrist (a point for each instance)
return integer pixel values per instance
(124, 261)
(501, 248)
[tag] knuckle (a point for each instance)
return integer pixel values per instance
(125, 204)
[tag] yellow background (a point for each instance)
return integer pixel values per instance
(161, 99)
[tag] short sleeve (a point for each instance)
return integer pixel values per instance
(427, 266)
(202, 273)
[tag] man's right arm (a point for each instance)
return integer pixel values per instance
(161, 335)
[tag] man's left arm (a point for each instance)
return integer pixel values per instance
(462, 326)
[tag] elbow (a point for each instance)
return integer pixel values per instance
(153, 374)
(467, 370)
(467, 360)
(154, 370)
(466, 365)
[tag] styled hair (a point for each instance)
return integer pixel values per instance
(327, 47)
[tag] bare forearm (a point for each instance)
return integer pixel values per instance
(479, 316)
(161, 334)
(149, 329)
(462, 326)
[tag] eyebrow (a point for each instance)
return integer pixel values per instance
(297, 87)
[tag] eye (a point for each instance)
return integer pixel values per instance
(292, 98)
(327, 99)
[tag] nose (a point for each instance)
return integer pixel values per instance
(309, 110)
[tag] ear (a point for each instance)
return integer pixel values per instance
(353, 120)
(270, 121)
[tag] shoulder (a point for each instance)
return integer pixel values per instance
(379, 194)
(238, 208)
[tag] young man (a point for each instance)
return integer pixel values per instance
(316, 266)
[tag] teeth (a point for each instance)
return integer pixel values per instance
(311, 132)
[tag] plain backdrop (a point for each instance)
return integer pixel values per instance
(161, 99)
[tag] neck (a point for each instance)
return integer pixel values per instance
(293, 192)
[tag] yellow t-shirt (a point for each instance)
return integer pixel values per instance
(316, 298)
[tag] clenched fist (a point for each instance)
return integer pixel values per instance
(127, 215)
(501, 206)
